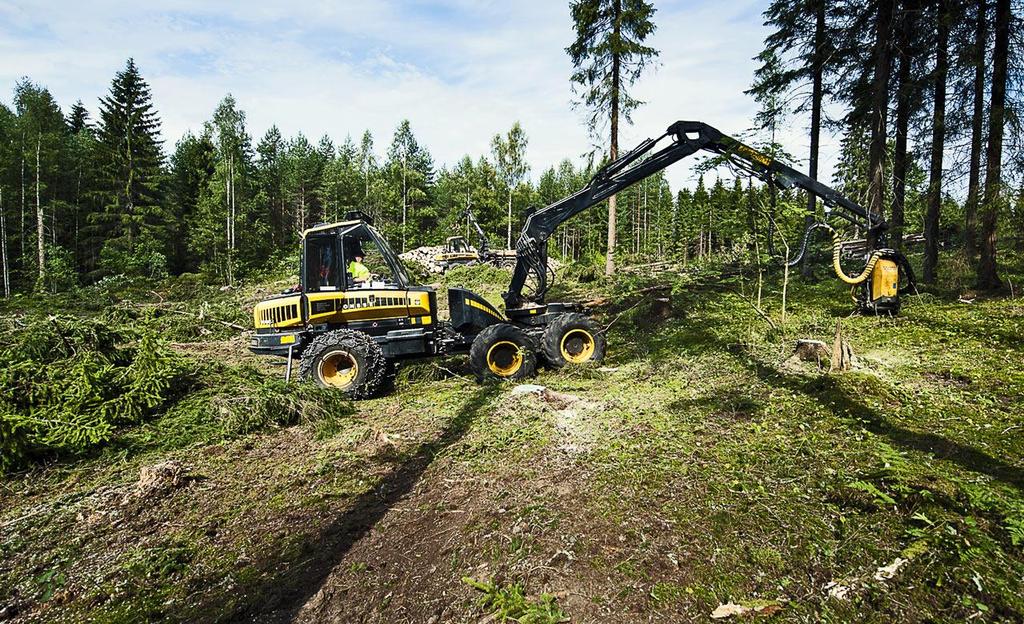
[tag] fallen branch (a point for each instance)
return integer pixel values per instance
(619, 315)
(450, 372)
(600, 301)
(63, 338)
(194, 315)
(759, 311)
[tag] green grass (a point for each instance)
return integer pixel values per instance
(509, 603)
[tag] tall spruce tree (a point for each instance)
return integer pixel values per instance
(81, 182)
(411, 173)
(802, 38)
(609, 56)
(942, 16)
(270, 182)
(130, 157)
(301, 169)
(78, 118)
(192, 167)
(988, 273)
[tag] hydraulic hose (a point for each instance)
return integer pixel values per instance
(837, 247)
(907, 271)
(803, 245)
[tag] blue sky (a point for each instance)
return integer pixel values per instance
(460, 70)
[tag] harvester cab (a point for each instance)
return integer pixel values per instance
(457, 252)
(457, 244)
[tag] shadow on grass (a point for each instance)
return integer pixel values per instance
(828, 393)
(294, 582)
(831, 396)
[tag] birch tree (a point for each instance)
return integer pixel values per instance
(509, 154)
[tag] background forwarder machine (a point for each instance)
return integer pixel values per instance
(458, 252)
(349, 335)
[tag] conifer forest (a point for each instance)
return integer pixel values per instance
(610, 392)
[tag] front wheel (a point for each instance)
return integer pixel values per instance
(503, 351)
(345, 360)
(573, 339)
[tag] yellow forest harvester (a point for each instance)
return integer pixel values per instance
(349, 333)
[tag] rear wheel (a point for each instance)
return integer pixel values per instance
(345, 360)
(503, 351)
(573, 339)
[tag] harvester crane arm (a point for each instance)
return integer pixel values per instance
(482, 245)
(646, 159)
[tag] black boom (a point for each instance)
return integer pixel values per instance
(646, 159)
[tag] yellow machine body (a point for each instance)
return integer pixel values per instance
(343, 308)
(885, 280)
(278, 313)
(879, 293)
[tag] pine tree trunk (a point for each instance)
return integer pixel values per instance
(645, 224)
(613, 151)
(988, 276)
(78, 214)
(904, 90)
(817, 94)
(23, 202)
(3, 246)
(931, 221)
(977, 134)
(40, 232)
(879, 110)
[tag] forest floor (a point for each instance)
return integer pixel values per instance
(700, 466)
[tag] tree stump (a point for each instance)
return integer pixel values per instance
(842, 354)
(812, 351)
(661, 308)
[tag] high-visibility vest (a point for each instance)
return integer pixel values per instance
(358, 270)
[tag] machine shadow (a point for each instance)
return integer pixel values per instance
(280, 598)
(832, 397)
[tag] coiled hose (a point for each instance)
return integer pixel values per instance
(837, 247)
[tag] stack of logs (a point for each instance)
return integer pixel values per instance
(425, 257)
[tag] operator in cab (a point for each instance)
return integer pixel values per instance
(360, 274)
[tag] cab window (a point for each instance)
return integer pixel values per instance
(373, 270)
(323, 264)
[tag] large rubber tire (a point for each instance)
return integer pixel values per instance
(573, 339)
(345, 360)
(503, 351)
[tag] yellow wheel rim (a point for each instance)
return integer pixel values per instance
(504, 358)
(577, 346)
(338, 369)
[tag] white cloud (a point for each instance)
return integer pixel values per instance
(460, 71)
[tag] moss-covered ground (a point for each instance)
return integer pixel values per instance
(700, 465)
